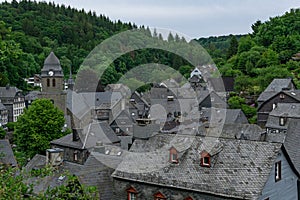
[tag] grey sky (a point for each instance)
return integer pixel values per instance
(195, 18)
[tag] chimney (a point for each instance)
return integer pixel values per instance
(7, 87)
(99, 147)
(54, 157)
(76, 132)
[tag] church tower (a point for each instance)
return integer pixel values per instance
(53, 82)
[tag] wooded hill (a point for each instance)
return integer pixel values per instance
(30, 30)
(259, 57)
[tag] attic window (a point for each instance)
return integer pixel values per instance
(132, 100)
(159, 196)
(170, 98)
(205, 159)
(281, 96)
(278, 171)
(282, 121)
(173, 155)
(131, 193)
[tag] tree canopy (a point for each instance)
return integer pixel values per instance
(37, 126)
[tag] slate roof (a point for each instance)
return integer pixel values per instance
(287, 110)
(102, 100)
(97, 172)
(98, 131)
(91, 134)
(52, 63)
(239, 168)
(232, 115)
(67, 141)
(6, 154)
(32, 95)
(278, 85)
(291, 143)
(8, 92)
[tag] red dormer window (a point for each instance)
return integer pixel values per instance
(159, 196)
(131, 193)
(205, 159)
(173, 155)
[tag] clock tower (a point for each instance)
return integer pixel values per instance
(53, 82)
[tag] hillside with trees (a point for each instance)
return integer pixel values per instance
(259, 57)
(30, 30)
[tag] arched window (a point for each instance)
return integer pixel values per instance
(131, 193)
(53, 82)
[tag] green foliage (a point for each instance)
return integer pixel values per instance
(40, 123)
(13, 186)
(2, 133)
(11, 126)
(73, 190)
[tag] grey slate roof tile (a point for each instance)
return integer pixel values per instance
(239, 167)
(7, 155)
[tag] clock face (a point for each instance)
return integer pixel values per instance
(50, 73)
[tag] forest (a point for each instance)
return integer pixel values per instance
(29, 30)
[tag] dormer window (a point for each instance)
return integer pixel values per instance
(131, 193)
(173, 155)
(281, 121)
(159, 196)
(205, 159)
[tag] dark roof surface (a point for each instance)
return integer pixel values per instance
(239, 167)
(291, 143)
(2, 107)
(278, 85)
(7, 155)
(8, 92)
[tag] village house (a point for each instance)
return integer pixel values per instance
(14, 101)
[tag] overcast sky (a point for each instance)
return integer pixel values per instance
(194, 18)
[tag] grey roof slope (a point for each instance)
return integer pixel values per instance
(239, 169)
(91, 134)
(52, 62)
(291, 143)
(67, 141)
(287, 110)
(32, 95)
(7, 155)
(98, 131)
(279, 84)
(103, 100)
(8, 92)
(232, 115)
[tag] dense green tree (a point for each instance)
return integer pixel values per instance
(233, 48)
(41, 123)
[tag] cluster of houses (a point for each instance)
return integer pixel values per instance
(172, 142)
